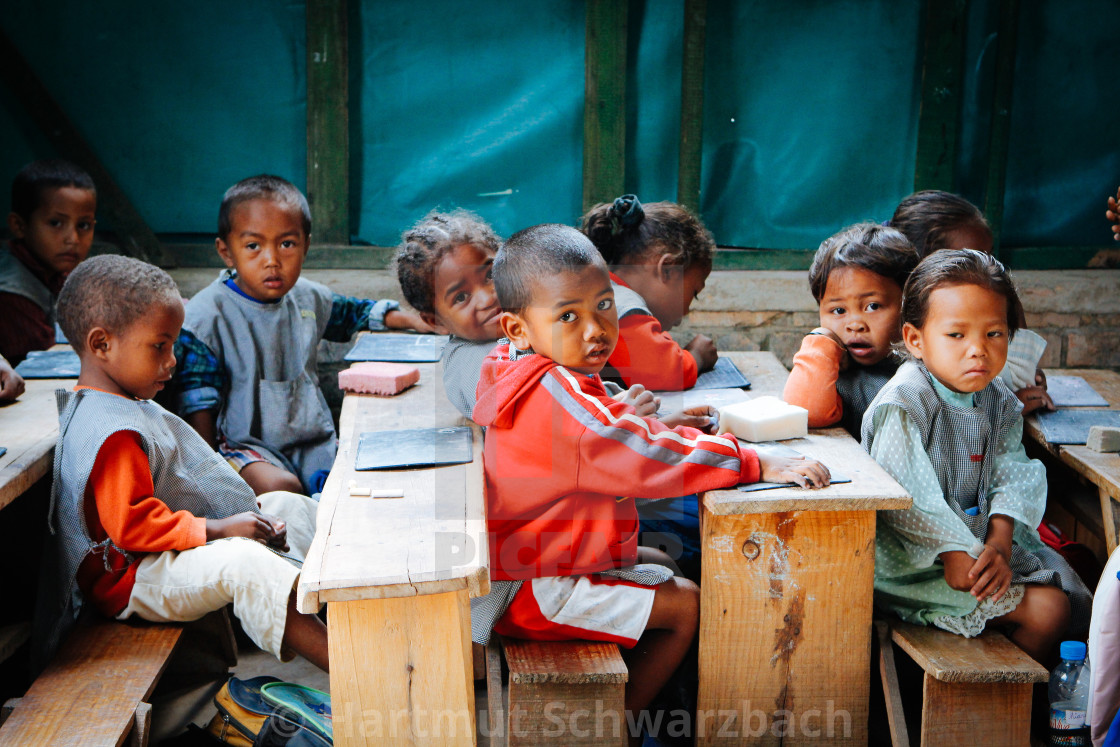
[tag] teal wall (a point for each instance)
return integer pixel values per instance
(811, 109)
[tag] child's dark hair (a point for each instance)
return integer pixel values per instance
(263, 187)
(952, 267)
(868, 246)
(424, 245)
(928, 217)
(113, 292)
(538, 251)
(31, 184)
(628, 232)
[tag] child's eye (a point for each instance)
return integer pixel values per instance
(955, 335)
(995, 333)
(54, 223)
(568, 316)
(836, 311)
(605, 304)
(489, 272)
(85, 225)
(460, 297)
(252, 245)
(874, 306)
(287, 244)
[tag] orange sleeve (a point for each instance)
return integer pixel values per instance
(647, 355)
(122, 489)
(812, 381)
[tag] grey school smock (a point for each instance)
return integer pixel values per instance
(956, 454)
(187, 474)
(273, 403)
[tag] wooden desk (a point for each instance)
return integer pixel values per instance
(786, 596)
(28, 429)
(1103, 470)
(396, 575)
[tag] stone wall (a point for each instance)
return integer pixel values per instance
(1077, 311)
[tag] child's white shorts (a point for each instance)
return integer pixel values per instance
(593, 607)
(181, 586)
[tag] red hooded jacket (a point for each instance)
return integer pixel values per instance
(564, 462)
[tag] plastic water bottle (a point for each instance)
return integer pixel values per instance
(1069, 698)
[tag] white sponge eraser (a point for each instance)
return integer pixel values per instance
(378, 377)
(764, 419)
(1103, 438)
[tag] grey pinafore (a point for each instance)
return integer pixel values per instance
(273, 403)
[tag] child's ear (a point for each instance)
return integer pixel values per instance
(223, 251)
(17, 225)
(514, 327)
(433, 321)
(98, 342)
(666, 268)
(912, 337)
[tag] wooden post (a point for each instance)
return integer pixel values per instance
(604, 106)
(692, 104)
(1001, 122)
(328, 121)
(136, 237)
(942, 73)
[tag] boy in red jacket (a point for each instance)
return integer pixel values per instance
(564, 463)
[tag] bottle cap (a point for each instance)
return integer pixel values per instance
(1072, 650)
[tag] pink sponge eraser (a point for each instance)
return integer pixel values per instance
(378, 378)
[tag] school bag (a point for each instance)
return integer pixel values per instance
(268, 712)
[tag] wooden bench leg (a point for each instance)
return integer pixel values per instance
(955, 713)
(1108, 519)
(495, 698)
(891, 694)
(141, 726)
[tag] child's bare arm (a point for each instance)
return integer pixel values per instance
(991, 573)
(206, 423)
(1113, 214)
(406, 319)
(808, 473)
(957, 566)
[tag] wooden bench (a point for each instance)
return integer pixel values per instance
(567, 692)
(96, 689)
(975, 690)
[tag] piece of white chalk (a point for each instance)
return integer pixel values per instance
(764, 419)
(1103, 438)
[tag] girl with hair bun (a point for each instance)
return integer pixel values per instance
(660, 256)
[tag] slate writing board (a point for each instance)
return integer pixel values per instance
(1072, 426)
(1073, 391)
(398, 348)
(419, 447)
(50, 364)
(725, 375)
(777, 449)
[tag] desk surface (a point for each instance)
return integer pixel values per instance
(28, 429)
(1103, 470)
(430, 541)
(871, 487)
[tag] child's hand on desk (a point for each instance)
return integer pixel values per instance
(263, 529)
(641, 399)
(808, 473)
(11, 383)
(704, 351)
(701, 417)
(1036, 397)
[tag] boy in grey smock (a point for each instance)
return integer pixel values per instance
(248, 350)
